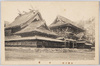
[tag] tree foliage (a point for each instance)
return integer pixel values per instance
(89, 27)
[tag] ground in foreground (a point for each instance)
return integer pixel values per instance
(44, 54)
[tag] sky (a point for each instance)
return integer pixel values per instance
(74, 11)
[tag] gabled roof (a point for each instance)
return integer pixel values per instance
(38, 26)
(63, 21)
(22, 18)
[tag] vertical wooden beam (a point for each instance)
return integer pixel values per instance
(68, 44)
(65, 43)
(73, 44)
(36, 42)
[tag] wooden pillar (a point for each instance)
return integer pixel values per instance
(65, 42)
(36, 42)
(73, 44)
(68, 44)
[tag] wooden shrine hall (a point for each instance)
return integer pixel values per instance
(30, 30)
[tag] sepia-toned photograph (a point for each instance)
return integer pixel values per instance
(45, 32)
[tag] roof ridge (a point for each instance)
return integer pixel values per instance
(28, 12)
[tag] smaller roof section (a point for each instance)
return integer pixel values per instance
(61, 21)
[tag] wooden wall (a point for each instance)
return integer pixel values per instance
(21, 43)
(50, 44)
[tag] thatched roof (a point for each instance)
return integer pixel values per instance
(37, 26)
(35, 38)
(22, 18)
(29, 22)
(62, 21)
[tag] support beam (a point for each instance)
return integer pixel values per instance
(73, 44)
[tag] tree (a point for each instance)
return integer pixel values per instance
(89, 26)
